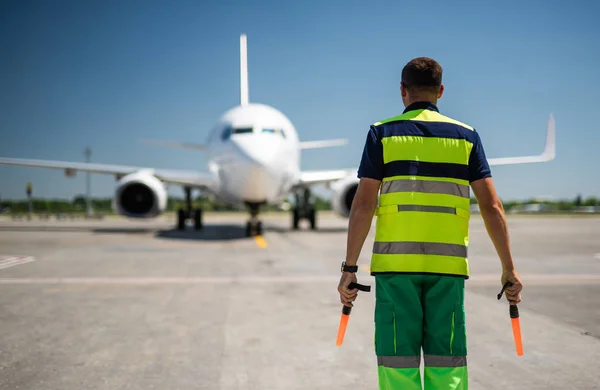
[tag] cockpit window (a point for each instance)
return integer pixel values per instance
(274, 131)
(243, 130)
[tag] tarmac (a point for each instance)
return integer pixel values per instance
(119, 304)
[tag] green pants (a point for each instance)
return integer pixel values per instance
(414, 312)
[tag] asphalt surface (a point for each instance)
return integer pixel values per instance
(117, 304)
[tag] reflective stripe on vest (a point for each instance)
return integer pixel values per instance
(420, 248)
(423, 214)
(432, 187)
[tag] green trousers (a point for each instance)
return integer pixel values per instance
(414, 312)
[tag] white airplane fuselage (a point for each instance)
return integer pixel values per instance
(254, 152)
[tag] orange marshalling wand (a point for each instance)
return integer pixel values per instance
(516, 324)
(343, 324)
(516, 327)
(346, 313)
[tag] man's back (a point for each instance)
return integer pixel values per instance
(413, 136)
(426, 162)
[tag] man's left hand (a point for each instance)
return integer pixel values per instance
(347, 296)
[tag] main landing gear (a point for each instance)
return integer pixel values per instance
(254, 225)
(304, 209)
(188, 213)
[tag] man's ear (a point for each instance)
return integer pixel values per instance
(403, 91)
(441, 91)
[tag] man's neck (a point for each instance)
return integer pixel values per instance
(418, 99)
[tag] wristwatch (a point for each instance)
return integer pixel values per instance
(349, 268)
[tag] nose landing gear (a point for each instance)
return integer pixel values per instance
(304, 209)
(254, 226)
(189, 213)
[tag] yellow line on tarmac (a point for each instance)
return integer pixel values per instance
(260, 241)
(365, 267)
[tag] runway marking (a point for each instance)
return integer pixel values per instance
(365, 267)
(7, 261)
(260, 241)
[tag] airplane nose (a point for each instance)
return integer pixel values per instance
(256, 174)
(262, 151)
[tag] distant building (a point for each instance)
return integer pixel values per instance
(587, 209)
(530, 208)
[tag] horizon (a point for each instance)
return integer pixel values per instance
(182, 198)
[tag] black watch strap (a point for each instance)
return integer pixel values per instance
(361, 287)
(349, 268)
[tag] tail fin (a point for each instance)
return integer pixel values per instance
(243, 71)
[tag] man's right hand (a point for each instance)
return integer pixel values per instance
(513, 293)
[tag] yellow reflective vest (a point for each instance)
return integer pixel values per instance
(423, 213)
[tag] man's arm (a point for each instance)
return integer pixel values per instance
(493, 216)
(361, 217)
(363, 206)
(359, 224)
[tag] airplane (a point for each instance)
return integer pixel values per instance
(253, 159)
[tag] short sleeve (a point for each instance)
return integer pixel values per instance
(371, 163)
(478, 165)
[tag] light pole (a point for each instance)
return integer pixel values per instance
(89, 211)
(28, 190)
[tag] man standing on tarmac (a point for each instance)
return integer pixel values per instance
(424, 164)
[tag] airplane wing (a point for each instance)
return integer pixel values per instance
(547, 155)
(323, 144)
(176, 145)
(319, 177)
(182, 177)
(303, 145)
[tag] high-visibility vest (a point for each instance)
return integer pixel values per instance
(424, 203)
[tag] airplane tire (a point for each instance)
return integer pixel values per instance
(248, 229)
(180, 219)
(312, 217)
(295, 219)
(198, 219)
(259, 228)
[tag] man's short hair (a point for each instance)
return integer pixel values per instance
(422, 74)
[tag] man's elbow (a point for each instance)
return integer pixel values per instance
(494, 206)
(365, 200)
(364, 206)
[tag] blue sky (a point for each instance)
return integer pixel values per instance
(108, 73)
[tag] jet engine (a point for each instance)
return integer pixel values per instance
(140, 195)
(344, 191)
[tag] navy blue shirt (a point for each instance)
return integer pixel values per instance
(372, 166)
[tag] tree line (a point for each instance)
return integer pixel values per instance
(104, 205)
(556, 205)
